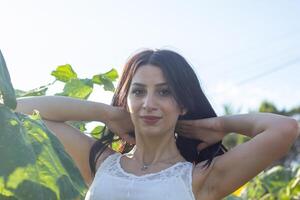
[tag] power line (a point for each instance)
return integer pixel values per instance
(277, 68)
(259, 60)
(280, 67)
(283, 36)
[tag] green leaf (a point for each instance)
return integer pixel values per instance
(6, 88)
(97, 131)
(64, 73)
(276, 178)
(78, 124)
(106, 79)
(112, 74)
(40, 92)
(102, 80)
(108, 85)
(34, 164)
(78, 88)
(20, 93)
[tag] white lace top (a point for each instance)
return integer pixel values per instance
(111, 182)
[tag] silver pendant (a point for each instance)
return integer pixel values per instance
(145, 167)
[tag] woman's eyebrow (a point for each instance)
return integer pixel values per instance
(144, 85)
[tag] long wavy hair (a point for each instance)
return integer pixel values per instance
(187, 92)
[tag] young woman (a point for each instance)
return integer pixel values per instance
(172, 136)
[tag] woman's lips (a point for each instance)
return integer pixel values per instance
(150, 120)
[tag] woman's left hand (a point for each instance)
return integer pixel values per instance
(209, 130)
(120, 123)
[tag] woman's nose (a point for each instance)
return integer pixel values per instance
(149, 102)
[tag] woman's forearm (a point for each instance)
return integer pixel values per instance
(59, 108)
(254, 123)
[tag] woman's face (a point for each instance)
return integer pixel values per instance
(153, 108)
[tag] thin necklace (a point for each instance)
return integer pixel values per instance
(146, 166)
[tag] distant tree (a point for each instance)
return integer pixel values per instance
(267, 106)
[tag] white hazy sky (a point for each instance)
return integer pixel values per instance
(242, 51)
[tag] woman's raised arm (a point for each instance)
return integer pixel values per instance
(271, 138)
(61, 109)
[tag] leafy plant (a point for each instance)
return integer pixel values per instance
(34, 164)
(82, 88)
(277, 183)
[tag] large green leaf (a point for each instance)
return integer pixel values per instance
(77, 88)
(64, 73)
(6, 88)
(106, 79)
(34, 163)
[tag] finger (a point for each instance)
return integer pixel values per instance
(129, 139)
(192, 128)
(185, 127)
(185, 124)
(182, 127)
(181, 130)
(188, 130)
(195, 123)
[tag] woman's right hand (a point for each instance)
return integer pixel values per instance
(120, 123)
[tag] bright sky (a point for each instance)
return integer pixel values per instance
(242, 51)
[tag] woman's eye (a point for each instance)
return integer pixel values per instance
(138, 92)
(164, 92)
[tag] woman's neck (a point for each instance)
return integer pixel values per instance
(156, 150)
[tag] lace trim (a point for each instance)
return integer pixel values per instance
(182, 170)
(114, 168)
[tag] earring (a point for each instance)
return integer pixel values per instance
(183, 111)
